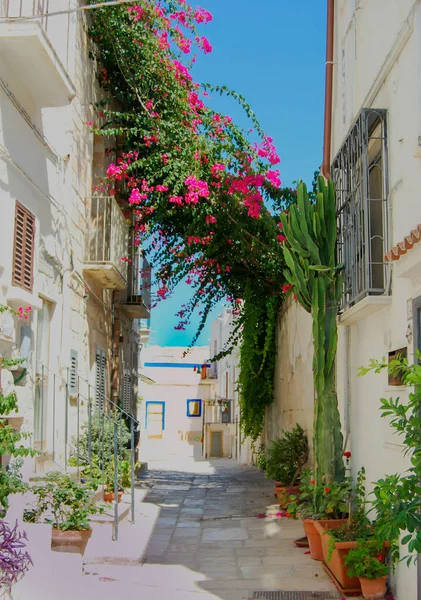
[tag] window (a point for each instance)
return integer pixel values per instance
(73, 373)
(194, 408)
(360, 175)
(23, 248)
(396, 378)
(127, 391)
(100, 377)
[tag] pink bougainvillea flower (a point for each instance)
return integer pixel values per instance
(210, 219)
(287, 287)
(89, 123)
(217, 168)
(308, 552)
(274, 178)
(202, 16)
(281, 238)
(176, 200)
(261, 515)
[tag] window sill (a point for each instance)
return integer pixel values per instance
(364, 308)
(17, 296)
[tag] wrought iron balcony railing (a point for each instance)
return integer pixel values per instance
(360, 174)
(107, 242)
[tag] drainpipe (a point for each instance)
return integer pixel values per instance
(347, 396)
(328, 89)
(116, 359)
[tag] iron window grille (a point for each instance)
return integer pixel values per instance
(360, 175)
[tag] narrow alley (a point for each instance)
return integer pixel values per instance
(209, 531)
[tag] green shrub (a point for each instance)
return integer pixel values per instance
(286, 457)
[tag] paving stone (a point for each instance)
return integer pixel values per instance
(228, 534)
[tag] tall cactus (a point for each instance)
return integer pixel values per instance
(310, 255)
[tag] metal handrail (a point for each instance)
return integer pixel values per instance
(44, 372)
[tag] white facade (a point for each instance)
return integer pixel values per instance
(377, 67)
(168, 381)
(49, 161)
(227, 371)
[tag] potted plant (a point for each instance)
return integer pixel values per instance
(67, 505)
(337, 539)
(325, 504)
(14, 559)
(366, 561)
(284, 462)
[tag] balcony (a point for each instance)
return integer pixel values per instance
(135, 300)
(218, 411)
(107, 242)
(144, 330)
(360, 174)
(26, 50)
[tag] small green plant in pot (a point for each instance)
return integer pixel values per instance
(321, 503)
(67, 505)
(287, 456)
(367, 562)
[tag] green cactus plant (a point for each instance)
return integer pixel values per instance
(310, 255)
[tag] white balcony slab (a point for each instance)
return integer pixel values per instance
(25, 46)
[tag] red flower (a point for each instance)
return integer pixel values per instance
(380, 558)
(287, 287)
(347, 454)
(327, 490)
(313, 481)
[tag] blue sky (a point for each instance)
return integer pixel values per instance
(272, 52)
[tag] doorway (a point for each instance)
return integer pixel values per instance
(42, 364)
(155, 420)
(216, 450)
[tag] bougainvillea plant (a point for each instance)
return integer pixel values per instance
(196, 188)
(14, 559)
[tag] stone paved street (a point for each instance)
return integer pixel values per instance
(196, 536)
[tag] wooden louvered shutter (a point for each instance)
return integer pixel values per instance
(101, 364)
(73, 373)
(127, 391)
(24, 248)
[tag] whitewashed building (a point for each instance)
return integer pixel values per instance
(374, 135)
(61, 247)
(174, 389)
(226, 424)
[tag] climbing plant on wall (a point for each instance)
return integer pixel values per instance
(316, 279)
(196, 187)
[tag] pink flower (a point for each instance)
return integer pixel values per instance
(216, 168)
(210, 219)
(281, 238)
(149, 104)
(136, 197)
(164, 158)
(203, 43)
(273, 178)
(287, 287)
(176, 200)
(202, 16)
(28, 308)
(161, 188)
(89, 123)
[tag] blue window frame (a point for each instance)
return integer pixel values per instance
(161, 409)
(194, 407)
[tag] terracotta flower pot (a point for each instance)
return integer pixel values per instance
(373, 588)
(313, 536)
(70, 541)
(109, 496)
(284, 493)
(336, 563)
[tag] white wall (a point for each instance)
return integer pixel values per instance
(377, 64)
(173, 385)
